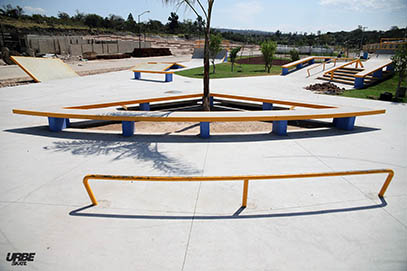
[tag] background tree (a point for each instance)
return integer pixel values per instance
(207, 15)
(93, 20)
(268, 49)
(214, 48)
(400, 66)
(130, 24)
(294, 55)
(233, 55)
(173, 23)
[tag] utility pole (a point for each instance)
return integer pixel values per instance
(139, 34)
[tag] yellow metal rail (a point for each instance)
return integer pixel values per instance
(245, 179)
(357, 62)
(327, 62)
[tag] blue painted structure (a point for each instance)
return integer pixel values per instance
(168, 77)
(145, 106)
(378, 74)
(58, 124)
(359, 82)
(280, 127)
(204, 129)
(345, 123)
(267, 106)
(128, 128)
(285, 71)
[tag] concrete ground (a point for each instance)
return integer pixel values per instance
(335, 223)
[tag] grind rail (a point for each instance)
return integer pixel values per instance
(245, 179)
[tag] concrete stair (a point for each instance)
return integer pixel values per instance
(347, 76)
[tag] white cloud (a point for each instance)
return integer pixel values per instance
(31, 10)
(366, 5)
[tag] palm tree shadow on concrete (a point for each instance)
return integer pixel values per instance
(137, 150)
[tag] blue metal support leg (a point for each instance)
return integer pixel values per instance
(378, 74)
(57, 124)
(205, 130)
(312, 61)
(145, 106)
(128, 128)
(359, 82)
(267, 106)
(280, 127)
(137, 75)
(345, 123)
(299, 66)
(168, 77)
(390, 68)
(284, 71)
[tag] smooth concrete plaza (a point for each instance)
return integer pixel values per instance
(335, 223)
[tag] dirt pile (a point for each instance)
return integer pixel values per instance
(326, 88)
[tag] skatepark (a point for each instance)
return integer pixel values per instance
(321, 223)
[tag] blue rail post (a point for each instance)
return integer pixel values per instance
(359, 82)
(280, 127)
(145, 106)
(128, 128)
(58, 124)
(137, 75)
(378, 74)
(284, 71)
(267, 106)
(168, 77)
(312, 61)
(205, 129)
(390, 68)
(344, 123)
(299, 66)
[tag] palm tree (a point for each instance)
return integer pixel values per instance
(207, 13)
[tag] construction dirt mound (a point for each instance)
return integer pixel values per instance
(326, 88)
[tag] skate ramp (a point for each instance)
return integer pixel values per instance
(44, 69)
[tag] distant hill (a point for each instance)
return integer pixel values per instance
(244, 31)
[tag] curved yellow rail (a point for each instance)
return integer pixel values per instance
(390, 174)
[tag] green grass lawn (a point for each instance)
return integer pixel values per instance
(374, 92)
(223, 70)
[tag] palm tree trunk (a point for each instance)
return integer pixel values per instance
(206, 93)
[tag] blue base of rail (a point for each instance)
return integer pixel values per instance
(267, 106)
(168, 77)
(280, 127)
(359, 82)
(128, 128)
(137, 75)
(345, 123)
(58, 124)
(204, 130)
(145, 106)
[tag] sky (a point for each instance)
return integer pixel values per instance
(267, 15)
